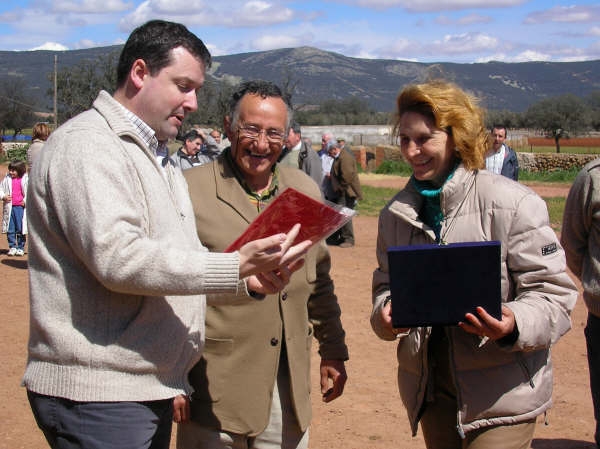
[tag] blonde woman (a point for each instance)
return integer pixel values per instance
(482, 383)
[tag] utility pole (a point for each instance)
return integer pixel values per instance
(55, 93)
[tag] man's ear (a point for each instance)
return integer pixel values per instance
(227, 128)
(138, 72)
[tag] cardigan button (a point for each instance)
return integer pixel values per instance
(274, 341)
(284, 296)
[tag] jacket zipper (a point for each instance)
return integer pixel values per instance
(459, 427)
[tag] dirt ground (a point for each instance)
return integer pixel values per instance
(369, 415)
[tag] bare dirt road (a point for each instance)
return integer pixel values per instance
(369, 415)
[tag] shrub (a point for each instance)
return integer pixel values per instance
(17, 152)
(390, 167)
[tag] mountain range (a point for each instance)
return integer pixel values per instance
(318, 75)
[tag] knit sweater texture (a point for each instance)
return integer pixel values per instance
(117, 274)
(580, 234)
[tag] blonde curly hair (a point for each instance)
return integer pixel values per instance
(452, 110)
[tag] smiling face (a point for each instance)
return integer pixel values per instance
(428, 149)
(164, 99)
(256, 156)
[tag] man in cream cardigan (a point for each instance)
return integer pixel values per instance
(117, 273)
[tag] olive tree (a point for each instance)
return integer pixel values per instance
(559, 117)
(78, 85)
(16, 110)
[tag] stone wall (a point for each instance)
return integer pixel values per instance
(372, 157)
(540, 162)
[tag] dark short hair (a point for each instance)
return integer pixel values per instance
(153, 43)
(263, 88)
(18, 166)
(499, 126)
(295, 126)
(192, 134)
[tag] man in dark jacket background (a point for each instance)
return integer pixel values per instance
(502, 159)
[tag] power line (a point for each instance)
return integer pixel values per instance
(17, 102)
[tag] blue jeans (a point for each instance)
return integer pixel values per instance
(592, 338)
(70, 424)
(16, 238)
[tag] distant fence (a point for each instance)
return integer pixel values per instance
(18, 138)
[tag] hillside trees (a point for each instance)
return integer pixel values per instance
(510, 119)
(593, 102)
(16, 110)
(348, 111)
(78, 86)
(213, 103)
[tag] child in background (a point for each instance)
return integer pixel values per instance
(13, 191)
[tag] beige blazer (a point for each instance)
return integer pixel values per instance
(234, 380)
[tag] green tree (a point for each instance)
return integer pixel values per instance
(504, 117)
(349, 111)
(16, 110)
(559, 117)
(213, 103)
(593, 100)
(78, 86)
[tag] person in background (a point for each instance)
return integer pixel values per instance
(252, 386)
(327, 141)
(342, 143)
(220, 142)
(501, 159)
(346, 186)
(483, 382)
(39, 135)
(13, 192)
(210, 149)
(296, 153)
(580, 236)
(117, 275)
(187, 156)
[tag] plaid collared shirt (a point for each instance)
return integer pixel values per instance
(143, 130)
(159, 149)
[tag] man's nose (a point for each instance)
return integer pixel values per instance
(191, 101)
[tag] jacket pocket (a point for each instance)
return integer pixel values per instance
(214, 366)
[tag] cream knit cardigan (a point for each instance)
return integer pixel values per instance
(117, 274)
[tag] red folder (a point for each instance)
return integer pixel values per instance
(318, 219)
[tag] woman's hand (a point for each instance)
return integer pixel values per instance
(386, 318)
(486, 325)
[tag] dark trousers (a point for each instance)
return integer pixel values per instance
(70, 424)
(592, 338)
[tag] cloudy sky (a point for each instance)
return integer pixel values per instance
(419, 30)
